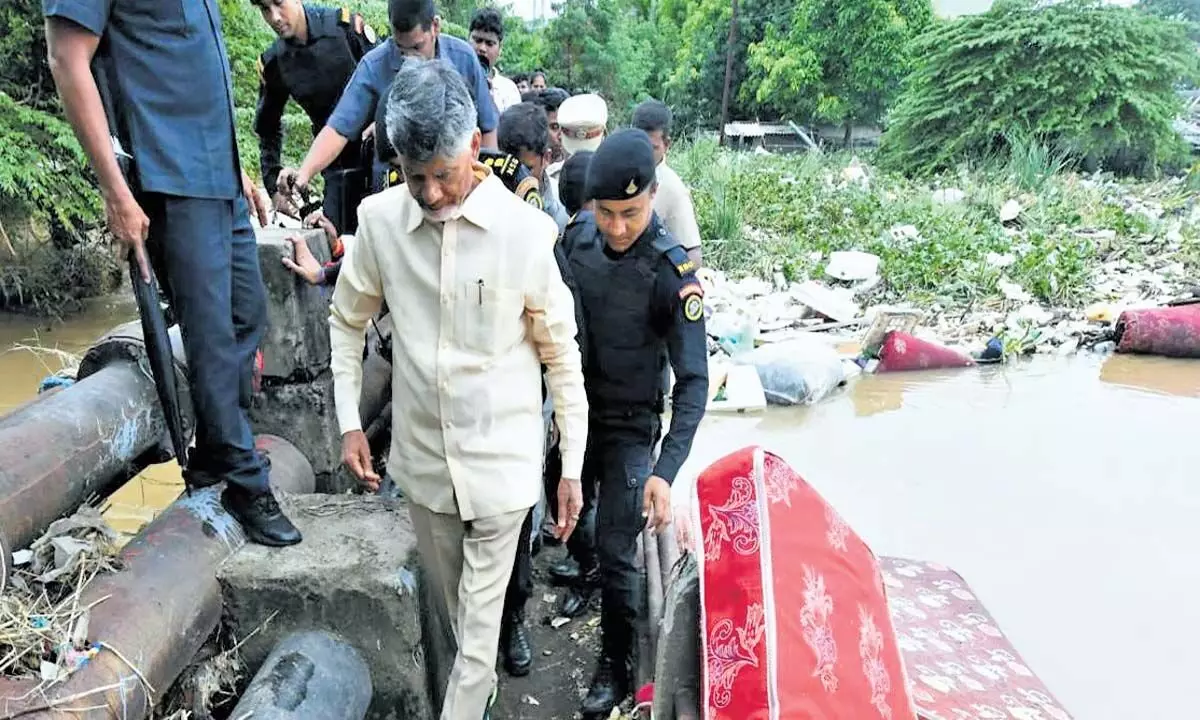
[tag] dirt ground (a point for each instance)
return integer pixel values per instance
(563, 658)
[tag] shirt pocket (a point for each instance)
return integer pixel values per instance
(489, 318)
(160, 15)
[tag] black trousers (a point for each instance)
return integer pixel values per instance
(617, 464)
(520, 583)
(344, 190)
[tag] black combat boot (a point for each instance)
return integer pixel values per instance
(260, 516)
(518, 654)
(609, 687)
(579, 596)
(564, 572)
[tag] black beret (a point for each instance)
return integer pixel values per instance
(572, 181)
(623, 166)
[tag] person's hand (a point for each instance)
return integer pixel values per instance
(683, 532)
(368, 133)
(305, 264)
(356, 453)
(570, 503)
(285, 204)
(129, 227)
(317, 218)
(253, 200)
(290, 181)
(656, 504)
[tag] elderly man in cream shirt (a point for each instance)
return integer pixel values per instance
(469, 273)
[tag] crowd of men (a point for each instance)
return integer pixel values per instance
(545, 268)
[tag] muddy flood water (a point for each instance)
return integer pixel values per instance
(1065, 491)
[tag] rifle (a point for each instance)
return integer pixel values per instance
(154, 323)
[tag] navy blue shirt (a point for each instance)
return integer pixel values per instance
(172, 88)
(377, 69)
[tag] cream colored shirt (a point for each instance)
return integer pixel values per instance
(479, 305)
(673, 203)
(504, 92)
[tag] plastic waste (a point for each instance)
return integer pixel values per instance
(801, 371)
(734, 330)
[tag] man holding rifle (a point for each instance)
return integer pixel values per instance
(186, 201)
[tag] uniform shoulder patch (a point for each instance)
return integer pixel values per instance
(529, 191)
(691, 296)
(261, 68)
(344, 15)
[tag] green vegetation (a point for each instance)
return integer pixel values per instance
(1093, 81)
(766, 214)
(1020, 97)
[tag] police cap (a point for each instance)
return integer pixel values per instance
(582, 119)
(622, 168)
(572, 181)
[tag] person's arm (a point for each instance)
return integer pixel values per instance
(73, 31)
(687, 349)
(550, 307)
(356, 299)
(268, 120)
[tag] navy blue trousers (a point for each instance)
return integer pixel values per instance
(206, 258)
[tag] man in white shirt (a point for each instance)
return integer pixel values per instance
(673, 202)
(487, 37)
(469, 270)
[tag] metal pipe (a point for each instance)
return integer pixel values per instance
(654, 587)
(66, 446)
(668, 553)
(308, 675)
(376, 388)
(153, 615)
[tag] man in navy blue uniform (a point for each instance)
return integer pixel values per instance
(314, 56)
(186, 202)
(642, 307)
(416, 32)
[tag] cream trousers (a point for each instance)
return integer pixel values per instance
(469, 563)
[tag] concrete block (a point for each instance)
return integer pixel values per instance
(303, 414)
(356, 575)
(296, 343)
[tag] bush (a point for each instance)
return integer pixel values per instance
(1094, 82)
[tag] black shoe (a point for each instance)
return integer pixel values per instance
(518, 654)
(564, 573)
(576, 601)
(608, 689)
(260, 516)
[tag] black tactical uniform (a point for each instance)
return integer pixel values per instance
(642, 308)
(314, 74)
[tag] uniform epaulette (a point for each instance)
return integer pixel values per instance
(344, 15)
(665, 243)
(504, 165)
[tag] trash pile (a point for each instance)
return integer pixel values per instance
(43, 628)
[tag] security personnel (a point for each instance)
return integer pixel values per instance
(416, 32)
(642, 307)
(314, 56)
(581, 121)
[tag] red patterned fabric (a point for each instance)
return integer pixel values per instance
(901, 351)
(960, 665)
(795, 622)
(1169, 331)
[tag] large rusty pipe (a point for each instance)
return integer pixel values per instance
(654, 586)
(153, 615)
(307, 676)
(68, 445)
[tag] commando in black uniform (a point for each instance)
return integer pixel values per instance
(314, 72)
(642, 308)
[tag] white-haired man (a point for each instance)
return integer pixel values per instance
(484, 306)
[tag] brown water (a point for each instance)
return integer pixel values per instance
(1064, 490)
(31, 349)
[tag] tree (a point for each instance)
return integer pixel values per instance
(1173, 9)
(1094, 81)
(840, 61)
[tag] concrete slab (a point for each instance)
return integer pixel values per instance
(356, 575)
(296, 343)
